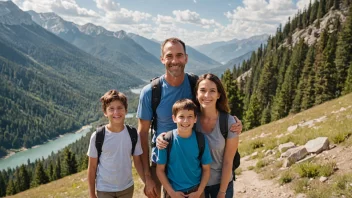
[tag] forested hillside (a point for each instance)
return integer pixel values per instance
(47, 86)
(307, 62)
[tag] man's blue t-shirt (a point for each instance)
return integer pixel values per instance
(169, 95)
(184, 168)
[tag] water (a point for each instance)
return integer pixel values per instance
(43, 150)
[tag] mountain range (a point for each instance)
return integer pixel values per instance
(225, 51)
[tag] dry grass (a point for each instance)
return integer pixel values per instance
(71, 186)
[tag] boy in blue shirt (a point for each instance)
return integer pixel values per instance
(186, 174)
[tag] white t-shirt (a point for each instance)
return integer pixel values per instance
(114, 172)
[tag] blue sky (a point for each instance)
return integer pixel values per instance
(194, 21)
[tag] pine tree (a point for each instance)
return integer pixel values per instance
(50, 171)
(2, 186)
(233, 94)
(252, 115)
(344, 52)
(57, 170)
(321, 9)
(11, 189)
(314, 12)
(307, 83)
(69, 165)
(336, 4)
(348, 83)
(40, 176)
(23, 180)
(325, 79)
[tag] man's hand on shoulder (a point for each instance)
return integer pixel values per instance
(237, 127)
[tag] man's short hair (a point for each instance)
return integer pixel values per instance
(184, 104)
(172, 40)
(113, 95)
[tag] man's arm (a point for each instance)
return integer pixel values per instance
(92, 170)
(139, 166)
(143, 130)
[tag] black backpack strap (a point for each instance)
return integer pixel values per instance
(99, 140)
(223, 122)
(156, 97)
(133, 135)
(192, 78)
(169, 136)
(201, 145)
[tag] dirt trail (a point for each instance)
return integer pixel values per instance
(249, 184)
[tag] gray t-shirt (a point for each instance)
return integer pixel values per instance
(217, 148)
(114, 172)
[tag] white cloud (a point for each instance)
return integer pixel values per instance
(124, 16)
(160, 19)
(107, 5)
(70, 7)
(257, 17)
(301, 4)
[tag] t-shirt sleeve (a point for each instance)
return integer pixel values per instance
(92, 150)
(144, 110)
(206, 158)
(138, 150)
(231, 134)
(161, 156)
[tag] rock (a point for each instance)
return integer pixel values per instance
(331, 146)
(263, 151)
(317, 145)
(294, 155)
(279, 136)
(286, 146)
(307, 159)
(323, 179)
(268, 152)
(246, 158)
(255, 154)
(301, 195)
(291, 129)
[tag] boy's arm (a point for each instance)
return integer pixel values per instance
(139, 167)
(160, 172)
(92, 170)
(143, 130)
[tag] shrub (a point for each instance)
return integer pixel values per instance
(250, 167)
(309, 170)
(256, 144)
(327, 169)
(262, 163)
(286, 177)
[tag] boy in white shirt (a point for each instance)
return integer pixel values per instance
(110, 167)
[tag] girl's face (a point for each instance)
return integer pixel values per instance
(207, 93)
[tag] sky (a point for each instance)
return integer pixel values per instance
(194, 21)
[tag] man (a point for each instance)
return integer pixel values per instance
(175, 86)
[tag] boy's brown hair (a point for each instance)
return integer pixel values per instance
(111, 96)
(184, 104)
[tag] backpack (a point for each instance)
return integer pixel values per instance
(169, 136)
(156, 97)
(223, 119)
(100, 135)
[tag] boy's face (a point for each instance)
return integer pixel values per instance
(115, 112)
(185, 120)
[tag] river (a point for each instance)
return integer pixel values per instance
(43, 150)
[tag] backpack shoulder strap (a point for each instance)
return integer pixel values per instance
(156, 96)
(134, 137)
(223, 122)
(99, 140)
(201, 144)
(192, 78)
(169, 136)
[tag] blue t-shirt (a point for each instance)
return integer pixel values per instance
(169, 95)
(184, 168)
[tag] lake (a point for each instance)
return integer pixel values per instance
(43, 150)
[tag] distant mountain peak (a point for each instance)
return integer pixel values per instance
(10, 14)
(120, 34)
(93, 30)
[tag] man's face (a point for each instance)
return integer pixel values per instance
(174, 58)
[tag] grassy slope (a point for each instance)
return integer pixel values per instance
(337, 126)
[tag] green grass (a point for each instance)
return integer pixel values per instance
(286, 177)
